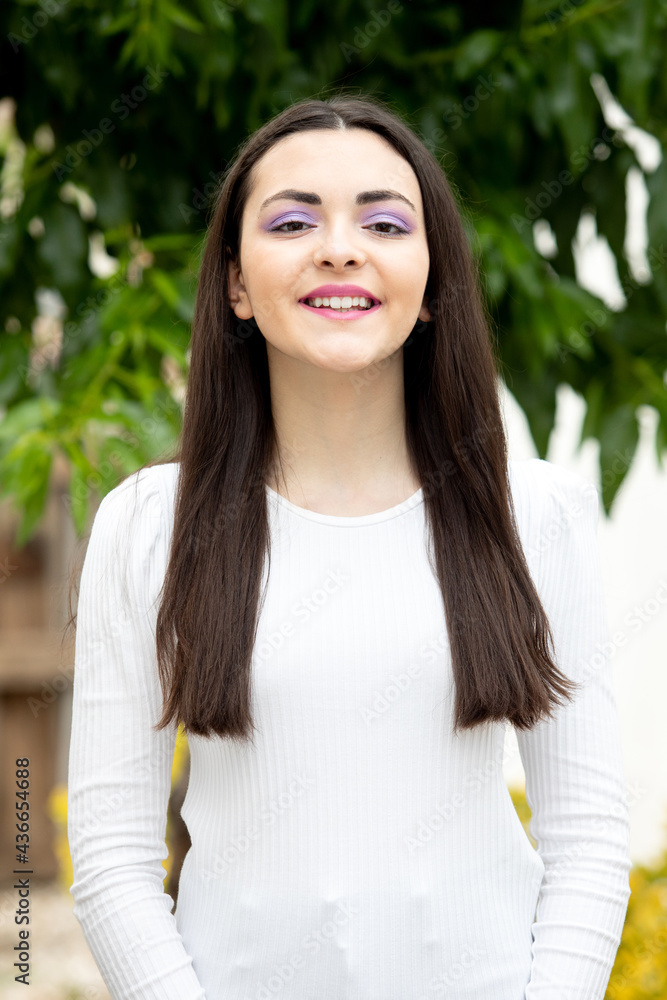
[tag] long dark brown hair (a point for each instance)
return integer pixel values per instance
(501, 643)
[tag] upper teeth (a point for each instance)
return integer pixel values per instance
(338, 302)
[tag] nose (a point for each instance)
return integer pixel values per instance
(337, 250)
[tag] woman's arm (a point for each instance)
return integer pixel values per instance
(119, 768)
(575, 783)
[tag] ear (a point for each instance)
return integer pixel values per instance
(238, 295)
(425, 312)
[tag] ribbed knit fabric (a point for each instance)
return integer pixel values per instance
(359, 851)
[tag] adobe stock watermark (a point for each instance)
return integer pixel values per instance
(111, 466)
(222, 7)
(302, 611)
(121, 107)
(486, 87)
(599, 314)
(268, 817)
(420, 328)
(598, 824)
(202, 199)
(560, 523)
(6, 569)
(30, 26)
(553, 189)
(400, 683)
(364, 35)
(624, 980)
(639, 615)
(244, 329)
(51, 691)
(157, 768)
(560, 13)
(468, 958)
(473, 782)
(605, 648)
(80, 492)
(50, 352)
(311, 943)
(85, 310)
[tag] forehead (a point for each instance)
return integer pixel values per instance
(334, 163)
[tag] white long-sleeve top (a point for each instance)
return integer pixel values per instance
(360, 851)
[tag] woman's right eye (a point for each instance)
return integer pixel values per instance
(289, 222)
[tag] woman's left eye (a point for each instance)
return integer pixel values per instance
(399, 229)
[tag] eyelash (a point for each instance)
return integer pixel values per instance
(288, 222)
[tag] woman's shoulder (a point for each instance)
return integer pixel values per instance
(149, 490)
(131, 532)
(549, 487)
(135, 518)
(555, 509)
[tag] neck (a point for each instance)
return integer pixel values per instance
(341, 435)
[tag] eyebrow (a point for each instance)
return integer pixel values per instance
(363, 198)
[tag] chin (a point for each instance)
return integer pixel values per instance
(344, 363)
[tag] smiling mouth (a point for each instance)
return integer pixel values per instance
(342, 304)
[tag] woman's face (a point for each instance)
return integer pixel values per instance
(332, 208)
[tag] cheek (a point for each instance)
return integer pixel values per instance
(419, 268)
(407, 279)
(271, 282)
(405, 287)
(273, 304)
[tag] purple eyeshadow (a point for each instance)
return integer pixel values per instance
(301, 216)
(397, 220)
(288, 217)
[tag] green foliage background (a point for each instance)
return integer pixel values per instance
(124, 115)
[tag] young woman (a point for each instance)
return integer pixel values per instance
(345, 592)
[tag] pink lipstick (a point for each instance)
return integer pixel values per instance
(344, 306)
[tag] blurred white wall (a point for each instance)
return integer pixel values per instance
(633, 553)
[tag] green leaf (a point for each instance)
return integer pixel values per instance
(476, 51)
(27, 416)
(14, 363)
(9, 243)
(181, 17)
(619, 436)
(24, 475)
(111, 26)
(64, 245)
(80, 488)
(174, 291)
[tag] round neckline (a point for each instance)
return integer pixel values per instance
(344, 520)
